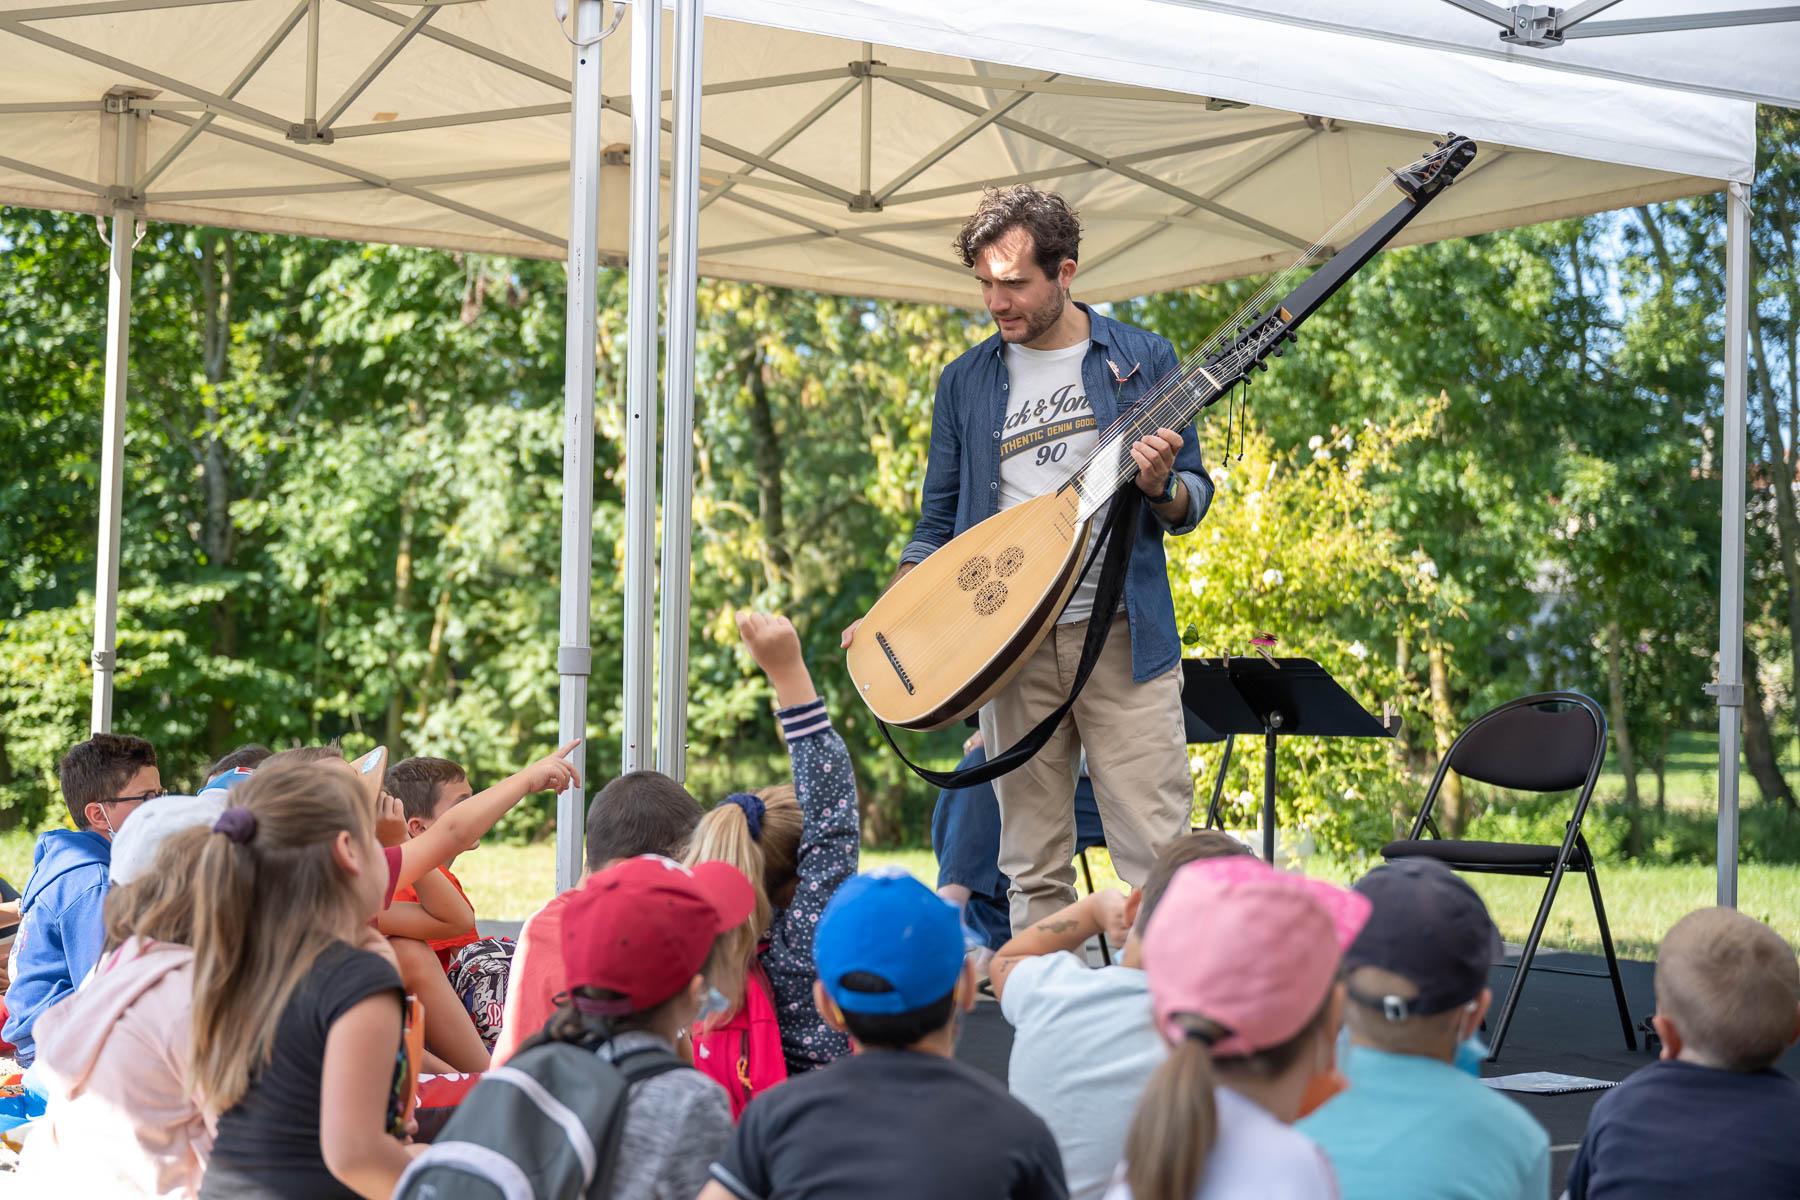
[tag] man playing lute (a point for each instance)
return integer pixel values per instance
(1012, 420)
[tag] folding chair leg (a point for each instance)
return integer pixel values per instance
(1524, 968)
(1087, 878)
(1612, 961)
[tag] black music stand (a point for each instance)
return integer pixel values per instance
(1288, 697)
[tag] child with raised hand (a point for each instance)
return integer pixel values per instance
(1243, 968)
(123, 1117)
(796, 844)
(429, 919)
(1713, 1117)
(901, 1118)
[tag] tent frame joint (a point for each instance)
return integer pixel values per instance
(864, 201)
(308, 133)
(1726, 695)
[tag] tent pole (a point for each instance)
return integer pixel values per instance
(678, 394)
(125, 148)
(112, 461)
(1730, 688)
(640, 381)
(574, 657)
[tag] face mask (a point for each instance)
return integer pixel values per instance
(1471, 1052)
(715, 1004)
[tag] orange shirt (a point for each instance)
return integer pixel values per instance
(446, 947)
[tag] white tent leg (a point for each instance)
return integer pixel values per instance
(1730, 688)
(112, 467)
(574, 658)
(678, 396)
(640, 386)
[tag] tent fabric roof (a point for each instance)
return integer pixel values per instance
(1198, 142)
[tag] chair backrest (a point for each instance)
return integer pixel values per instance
(1549, 742)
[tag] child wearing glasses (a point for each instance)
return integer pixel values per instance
(61, 917)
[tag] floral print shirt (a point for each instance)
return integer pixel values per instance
(825, 788)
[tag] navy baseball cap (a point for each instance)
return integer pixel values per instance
(1430, 928)
(897, 941)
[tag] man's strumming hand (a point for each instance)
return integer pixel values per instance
(1154, 454)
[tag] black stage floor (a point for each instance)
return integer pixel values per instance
(1564, 1023)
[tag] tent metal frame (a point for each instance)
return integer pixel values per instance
(126, 114)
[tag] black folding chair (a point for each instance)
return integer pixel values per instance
(1550, 742)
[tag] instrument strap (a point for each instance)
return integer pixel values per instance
(1127, 504)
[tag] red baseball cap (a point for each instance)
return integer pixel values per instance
(644, 927)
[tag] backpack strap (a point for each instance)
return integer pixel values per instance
(646, 1062)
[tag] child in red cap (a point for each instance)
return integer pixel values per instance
(638, 942)
(1243, 966)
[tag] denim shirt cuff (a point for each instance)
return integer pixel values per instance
(915, 552)
(1196, 506)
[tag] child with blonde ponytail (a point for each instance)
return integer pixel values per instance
(1243, 969)
(796, 843)
(297, 1013)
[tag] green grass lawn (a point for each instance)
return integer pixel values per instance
(510, 882)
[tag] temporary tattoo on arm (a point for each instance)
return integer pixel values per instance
(1055, 926)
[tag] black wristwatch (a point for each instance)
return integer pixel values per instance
(1168, 492)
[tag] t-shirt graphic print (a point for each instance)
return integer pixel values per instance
(1049, 431)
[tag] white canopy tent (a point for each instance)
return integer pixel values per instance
(840, 144)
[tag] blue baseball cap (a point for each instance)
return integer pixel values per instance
(888, 925)
(227, 780)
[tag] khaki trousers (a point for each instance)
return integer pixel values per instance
(1136, 747)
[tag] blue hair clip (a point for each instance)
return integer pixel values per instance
(753, 811)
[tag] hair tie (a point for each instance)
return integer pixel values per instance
(237, 823)
(753, 811)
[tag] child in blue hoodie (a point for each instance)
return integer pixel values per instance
(61, 919)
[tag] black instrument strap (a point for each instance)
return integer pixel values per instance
(1118, 537)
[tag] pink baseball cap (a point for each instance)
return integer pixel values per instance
(1249, 948)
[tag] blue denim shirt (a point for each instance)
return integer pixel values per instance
(962, 472)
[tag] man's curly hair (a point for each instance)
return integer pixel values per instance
(1054, 227)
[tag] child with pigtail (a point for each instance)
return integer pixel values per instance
(297, 1004)
(796, 843)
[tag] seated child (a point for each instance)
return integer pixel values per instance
(643, 812)
(1416, 1121)
(235, 767)
(632, 1007)
(1083, 1044)
(298, 1007)
(1243, 967)
(901, 1118)
(431, 923)
(123, 1119)
(62, 924)
(1713, 1117)
(795, 843)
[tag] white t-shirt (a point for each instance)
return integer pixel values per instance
(1256, 1156)
(1083, 1049)
(1050, 430)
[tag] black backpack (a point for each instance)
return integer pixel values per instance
(543, 1127)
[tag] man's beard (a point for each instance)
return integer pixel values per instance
(1039, 322)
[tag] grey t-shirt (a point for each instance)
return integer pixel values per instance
(1050, 430)
(1083, 1048)
(676, 1124)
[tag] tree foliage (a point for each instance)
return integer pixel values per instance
(1491, 466)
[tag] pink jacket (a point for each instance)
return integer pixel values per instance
(114, 1057)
